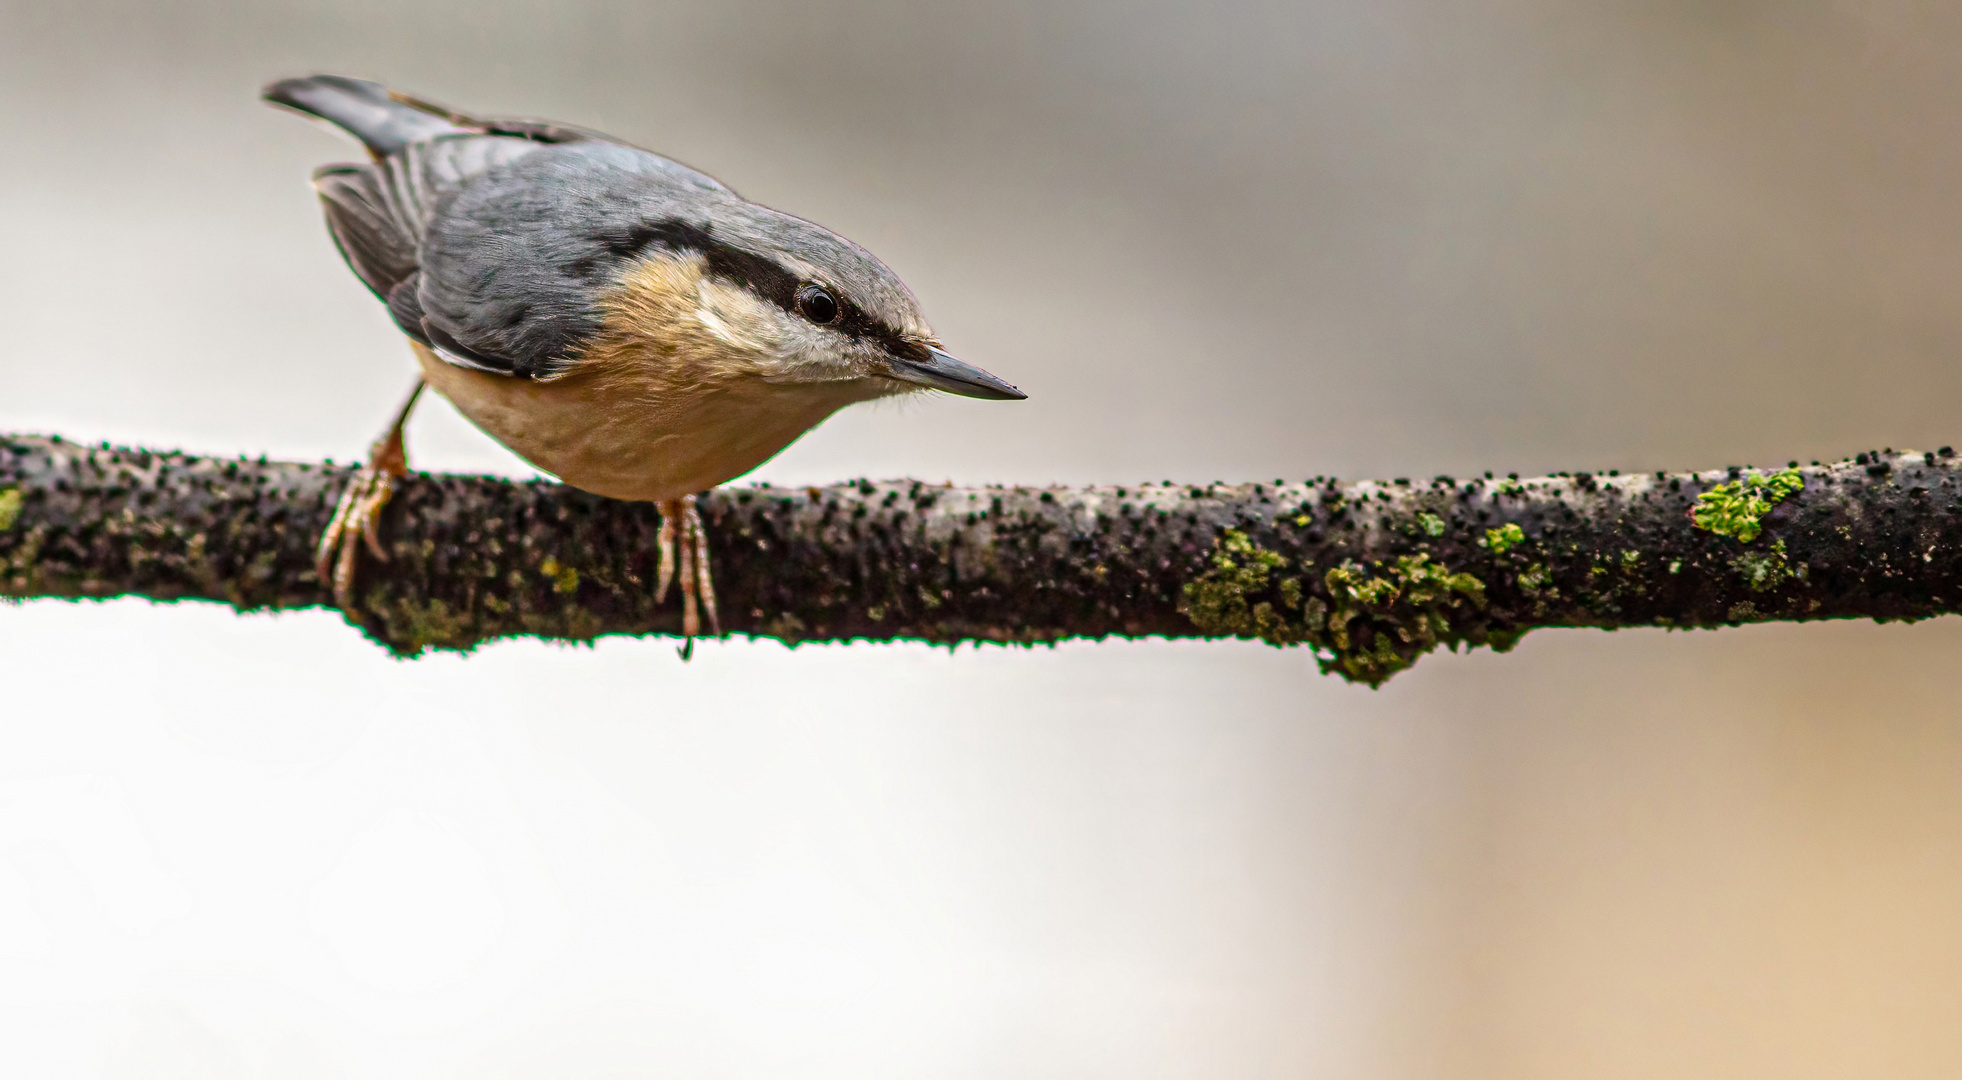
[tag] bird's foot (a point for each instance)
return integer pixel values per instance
(685, 542)
(357, 517)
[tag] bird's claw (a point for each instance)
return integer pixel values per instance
(357, 517)
(356, 523)
(685, 542)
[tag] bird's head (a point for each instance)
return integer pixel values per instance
(748, 292)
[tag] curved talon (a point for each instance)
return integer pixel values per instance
(685, 541)
(381, 490)
(691, 618)
(669, 514)
(356, 522)
(357, 516)
(344, 566)
(704, 581)
(325, 551)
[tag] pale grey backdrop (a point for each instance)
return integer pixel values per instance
(1371, 237)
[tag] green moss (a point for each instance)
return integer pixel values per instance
(409, 626)
(1503, 539)
(1535, 578)
(23, 577)
(565, 580)
(1351, 585)
(1431, 524)
(1765, 570)
(1369, 623)
(1228, 599)
(9, 508)
(1380, 624)
(786, 626)
(1502, 641)
(1737, 508)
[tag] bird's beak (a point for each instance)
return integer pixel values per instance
(943, 372)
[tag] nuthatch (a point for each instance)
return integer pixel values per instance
(619, 320)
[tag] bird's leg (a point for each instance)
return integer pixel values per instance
(357, 516)
(684, 541)
(703, 581)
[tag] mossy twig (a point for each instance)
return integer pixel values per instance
(1370, 575)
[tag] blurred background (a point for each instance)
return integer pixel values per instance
(1237, 241)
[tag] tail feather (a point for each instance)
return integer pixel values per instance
(383, 122)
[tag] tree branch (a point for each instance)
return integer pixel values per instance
(1369, 575)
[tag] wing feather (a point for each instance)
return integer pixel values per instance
(493, 261)
(361, 216)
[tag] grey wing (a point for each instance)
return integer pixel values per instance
(514, 264)
(367, 225)
(493, 249)
(489, 240)
(379, 214)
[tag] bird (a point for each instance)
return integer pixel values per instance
(621, 321)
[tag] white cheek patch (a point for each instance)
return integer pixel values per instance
(779, 345)
(814, 354)
(736, 317)
(716, 326)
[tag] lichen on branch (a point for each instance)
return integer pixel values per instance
(1737, 508)
(1364, 622)
(1367, 575)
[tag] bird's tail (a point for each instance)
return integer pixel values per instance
(385, 122)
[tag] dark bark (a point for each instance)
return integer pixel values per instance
(1368, 574)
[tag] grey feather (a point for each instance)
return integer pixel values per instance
(363, 109)
(514, 262)
(509, 232)
(360, 215)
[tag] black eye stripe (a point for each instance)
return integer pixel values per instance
(759, 274)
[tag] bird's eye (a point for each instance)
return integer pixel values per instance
(817, 303)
